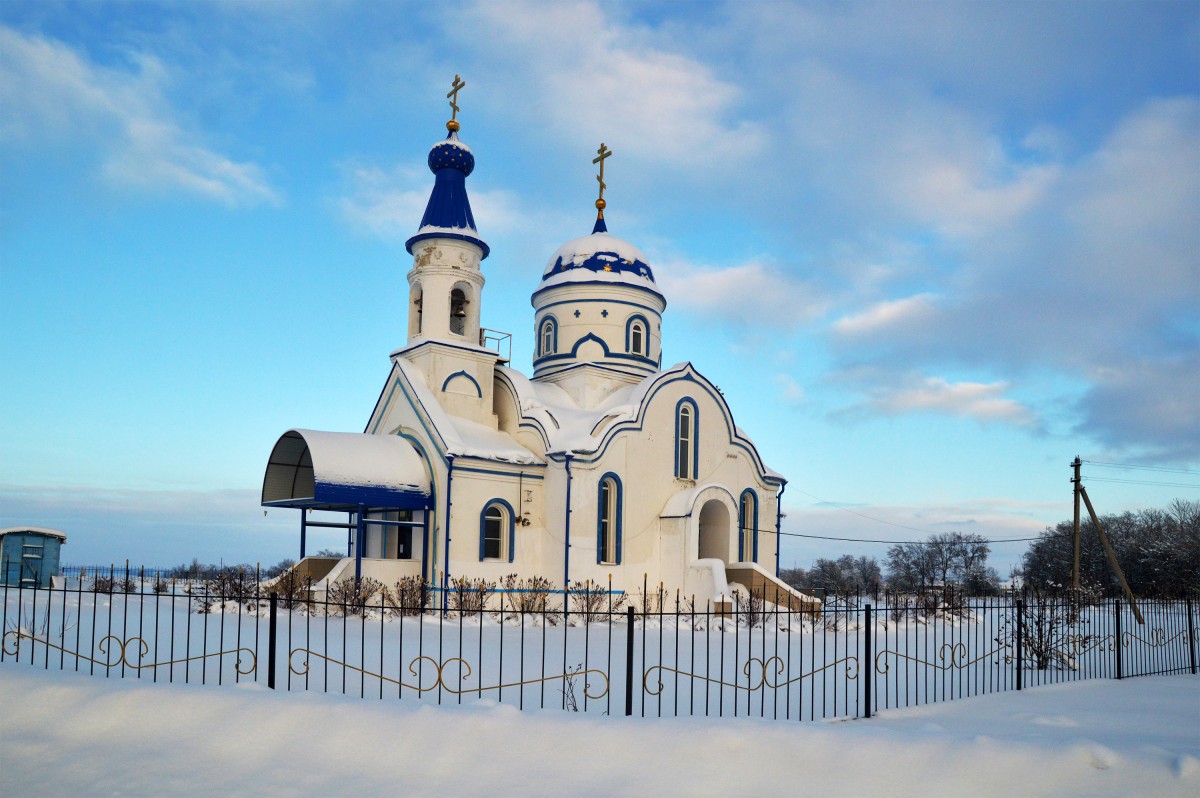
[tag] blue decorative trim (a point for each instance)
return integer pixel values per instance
(607, 352)
(629, 370)
(618, 525)
(645, 334)
(695, 424)
(463, 373)
(510, 515)
(646, 308)
(550, 319)
(512, 474)
(468, 238)
(649, 291)
(748, 523)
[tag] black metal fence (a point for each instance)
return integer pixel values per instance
(644, 654)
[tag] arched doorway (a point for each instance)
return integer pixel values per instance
(714, 531)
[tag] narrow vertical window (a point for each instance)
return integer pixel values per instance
(637, 336)
(685, 440)
(493, 533)
(748, 527)
(458, 312)
(496, 536)
(548, 342)
(608, 533)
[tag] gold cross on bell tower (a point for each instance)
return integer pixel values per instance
(458, 84)
(601, 154)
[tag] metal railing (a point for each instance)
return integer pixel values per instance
(648, 653)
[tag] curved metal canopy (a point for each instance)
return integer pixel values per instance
(343, 471)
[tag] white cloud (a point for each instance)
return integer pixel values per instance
(790, 390)
(596, 78)
(50, 93)
(886, 316)
(751, 294)
(893, 394)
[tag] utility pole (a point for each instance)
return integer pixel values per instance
(1075, 568)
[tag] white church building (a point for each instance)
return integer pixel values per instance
(601, 465)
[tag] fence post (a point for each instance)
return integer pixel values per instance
(867, 671)
(1020, 642)
(629, 661)
(1191, 636)
(1117, 635)
(271, 644)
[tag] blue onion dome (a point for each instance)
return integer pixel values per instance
(599, 258)
(451, 154)
(448, 214)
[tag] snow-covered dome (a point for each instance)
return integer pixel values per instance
(448, 213)
(599, 258)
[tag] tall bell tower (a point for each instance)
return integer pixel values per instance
(445, 284)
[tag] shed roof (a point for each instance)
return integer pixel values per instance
(36, 530)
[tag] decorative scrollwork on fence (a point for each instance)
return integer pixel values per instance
(764, 674)
(464, 671)
(952, 655)
(1078, 645)
(1158, 638)
(117, 652)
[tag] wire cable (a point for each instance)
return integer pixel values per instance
(897, 542)
(1141, 482)
(1167, 469)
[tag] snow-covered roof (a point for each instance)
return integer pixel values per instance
(462, 437)
(37, 530)
(309, 468)
(599, 257)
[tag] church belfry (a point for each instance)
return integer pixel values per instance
(446, 284)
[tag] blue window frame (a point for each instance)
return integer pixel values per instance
(608, 520)
(497, 539)
(748, 526)
(637, 335)
(548, 336)
(687, 438)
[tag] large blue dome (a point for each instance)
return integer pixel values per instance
(599, 258)
(448, 213)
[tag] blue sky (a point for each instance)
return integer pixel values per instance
(929, 251)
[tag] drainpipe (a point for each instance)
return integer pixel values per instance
(358, 546)
(446, 551)
(567, 534)
(778, 524)
(303, 529)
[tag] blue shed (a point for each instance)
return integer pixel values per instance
(29, 555)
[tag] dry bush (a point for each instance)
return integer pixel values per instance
(470, 596)
(293, 590)
(592, 600)
(352, 596)
(749, 607)
(408, 596)
(526, 595)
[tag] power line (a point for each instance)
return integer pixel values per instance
(843, 508)
(1167, 469)
(1142, 482)
(912, 542)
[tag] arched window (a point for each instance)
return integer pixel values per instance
(414, 324)
(458, 312)
(496, 537)
(637, 338)
(687, 444)
(748, 526)
(548, 337)
(608, 521)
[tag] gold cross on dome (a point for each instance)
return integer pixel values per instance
(458, 84)
(602, 153)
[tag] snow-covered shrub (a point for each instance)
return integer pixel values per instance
(470, 596)
(407, 596)
(351, 597)
(591, 600)
(526, 595)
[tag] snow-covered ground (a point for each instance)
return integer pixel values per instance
(63, 733)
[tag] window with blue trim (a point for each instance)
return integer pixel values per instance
(637, 339)
(548, 338)
(686, 439)
(608, 521)
(748, 526)
(496, 538)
